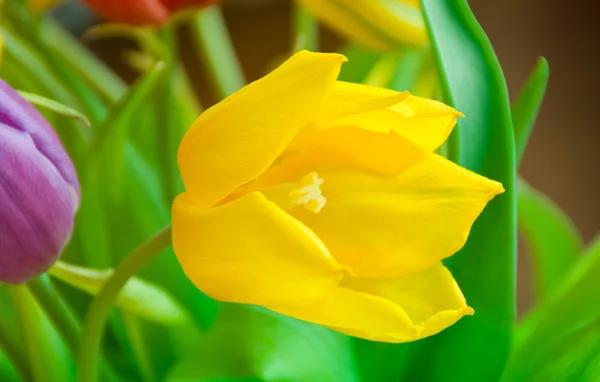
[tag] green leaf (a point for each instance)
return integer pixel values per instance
(527, 106)
(24, 68)
(138, 296)
(54, 106)
(553, 240)
(28, 26)
(216, 50)
(251, 342)
(360, 62)
(10, 335)
(108, 147)
(7, 371)
(476, 348)
(571, 313)
(82, 61)
(40, 341)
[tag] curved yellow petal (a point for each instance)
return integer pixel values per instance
(399, 309)
(425, 122)
(233, 142)
(347, 98)
(250, 251)
(391, 208)
(379, 24)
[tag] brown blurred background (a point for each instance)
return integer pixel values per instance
(562, 158)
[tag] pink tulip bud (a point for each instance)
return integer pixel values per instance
(39, 191)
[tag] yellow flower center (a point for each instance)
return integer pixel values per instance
(309, 195)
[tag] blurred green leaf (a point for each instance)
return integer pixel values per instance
(211, 38)
(476, 348)
(48, 356)
(7, 371)
(576, 357)
(23, 68)
(568, 322)
(109, 143)
(526, 107)
(412, 63)
(54, 106)
(27, 24)
(10, 335)
(82, 62)
(553, 240)
(360, 62)
(250, 343)
(138, 297)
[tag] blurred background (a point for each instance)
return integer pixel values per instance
(562, 159)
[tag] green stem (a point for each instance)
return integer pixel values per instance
(217, 52)
(102, 303)
(58, 310)
(305, 34)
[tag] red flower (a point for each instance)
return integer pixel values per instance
(142, 12)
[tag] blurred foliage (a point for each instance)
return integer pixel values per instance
(126, 159)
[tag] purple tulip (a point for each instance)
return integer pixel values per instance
(39, 191)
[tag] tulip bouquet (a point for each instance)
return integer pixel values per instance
(350, 216)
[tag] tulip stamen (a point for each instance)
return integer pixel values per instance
(309, 195)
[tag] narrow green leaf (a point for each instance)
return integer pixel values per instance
(82, 62)
(526, 107)
(305, 30)
(553, 240)
(138, 297)
(476, 348)
(412, 63)
(252, 342)
(30, 72)
(10, 335)
(41, 341)
(7, 370)
(28, 26)
(108, 148)
(216, 50)
(54, 106)
(360, 62)
(571, 312)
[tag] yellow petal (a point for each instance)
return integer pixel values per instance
(425, 122)
(379, 24)
(233, 142)
(250, 251)
(392, 208)
(399, 309)
(347, 98)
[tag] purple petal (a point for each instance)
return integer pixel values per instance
(16, 112)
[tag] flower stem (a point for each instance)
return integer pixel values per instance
(102, 303)
(216, 50)
(305, 33)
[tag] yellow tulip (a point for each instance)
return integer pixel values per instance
(379, 24)
(323, 200)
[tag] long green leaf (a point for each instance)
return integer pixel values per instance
(554, 243)
(54, 106)
(572, 311)
(360, 62)
(41, 341)
(526, 107)
(216, 50)
(476, 348)
(138, 297)
(251, 342)
(7, 370)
